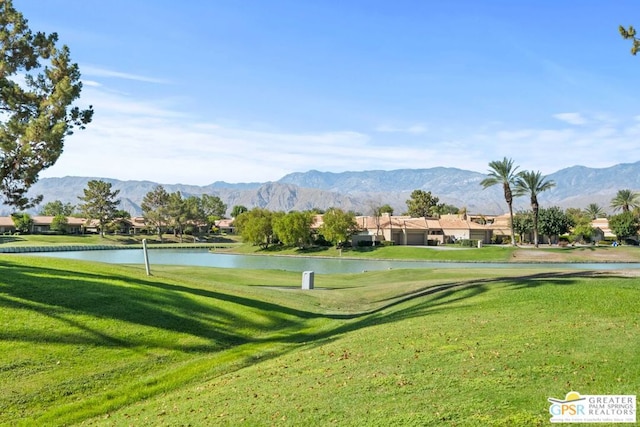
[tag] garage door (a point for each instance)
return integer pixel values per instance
(415, 239)
(397, 238)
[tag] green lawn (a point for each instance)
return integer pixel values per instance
(447, 253)
(455, 253)
(61, 239)
(111, 240)
(106, 345)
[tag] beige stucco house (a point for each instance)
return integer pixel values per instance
(405, 230)
(602, 230)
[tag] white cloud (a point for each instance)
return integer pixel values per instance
(89, 70)
(122, 105)
(153, 140)
(571, 118)
(90, 83)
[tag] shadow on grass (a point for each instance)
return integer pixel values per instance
(199, 312)
(10, 239)
(278, 248)
(58, 295)
(125, 240)
(221, 320)
(580, 248)
(220, 239)
(313, 250)
(438, 297)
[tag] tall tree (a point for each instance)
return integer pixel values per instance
(421, 204)
(522, 224)
(237, 210)
(195, 214)
(583, 231)
(625, 200)
(99, 203)
(59, 223)
(338, 225)
(385, 209)
(177, 213)
(256, 226)
(594, 211)
(293, 228)
(120, 221)
(532, 183)
(554, 222)
(22, 221)
(624, 225)
(376, 210)
(630, 34)
(38, 85)
(503, 172)
(444, 209)
(154, 209)
(57, 208)
(213, 208)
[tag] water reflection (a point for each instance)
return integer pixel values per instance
(202, 257)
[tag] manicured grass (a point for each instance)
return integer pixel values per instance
(424, 253)
(454, 253)
(489, 356)
(447, 253)
(112, 239)
(61, 239)
(105, 344)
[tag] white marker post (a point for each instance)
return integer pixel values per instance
(307, 280)
(146, 257)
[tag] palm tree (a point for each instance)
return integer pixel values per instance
(625, 199)
(533, 183)
(594, 211)
(503, 172)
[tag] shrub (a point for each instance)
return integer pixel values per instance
(321, 241)
(498, 239)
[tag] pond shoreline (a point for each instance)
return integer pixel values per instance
(521, 255)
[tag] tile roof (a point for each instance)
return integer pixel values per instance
(406, 222)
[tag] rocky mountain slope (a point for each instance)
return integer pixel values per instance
(576, 186)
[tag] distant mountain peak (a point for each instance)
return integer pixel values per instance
(576, 186)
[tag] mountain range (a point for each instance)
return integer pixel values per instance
(576, 186)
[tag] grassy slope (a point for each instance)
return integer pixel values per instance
(456, 253)
(488, 354)
(109, 239)
(451, 253)
(199, 346)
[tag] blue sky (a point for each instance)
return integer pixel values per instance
(200, 91)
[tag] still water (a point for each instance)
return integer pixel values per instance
(202, 257)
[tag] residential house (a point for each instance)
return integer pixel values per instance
(42, 224)
(226, 225)
(500, 227)
(602, 230)
(460, 227)
(401, 230)
(405, 230)
(137, 225)
(6, 225)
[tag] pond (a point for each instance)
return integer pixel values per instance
(203, 257)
